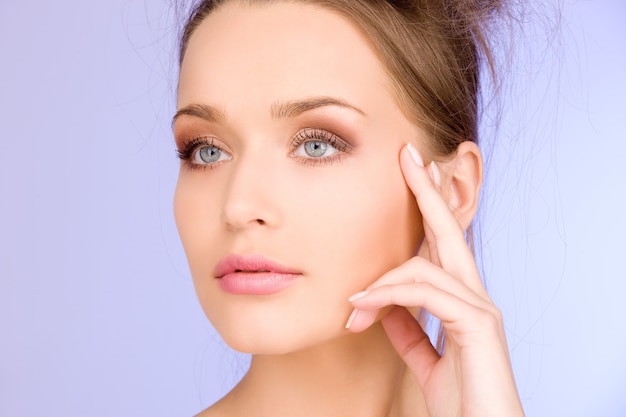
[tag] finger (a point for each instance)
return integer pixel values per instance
(429, 242)
(445, 230)
(411, 343)
(360, 320)
(461, 319)
(417, 270)
(447, 240)
(485, 371)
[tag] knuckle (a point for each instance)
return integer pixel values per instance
(417, 261)
(424, 286)
(491, 317)
(496, 313)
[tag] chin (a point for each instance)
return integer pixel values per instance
(261, 347)
(266, 344)
(274, 337)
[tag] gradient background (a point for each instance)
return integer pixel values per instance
(98, 315)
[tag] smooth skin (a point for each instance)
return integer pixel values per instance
(351, 220)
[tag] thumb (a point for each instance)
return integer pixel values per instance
(411, 343)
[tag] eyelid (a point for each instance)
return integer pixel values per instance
(191, 146)
(341, 146)
(322, 135)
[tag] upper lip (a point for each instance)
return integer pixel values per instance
(249, 263)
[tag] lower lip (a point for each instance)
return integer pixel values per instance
(256, 283)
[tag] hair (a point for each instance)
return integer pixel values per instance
(432, 50)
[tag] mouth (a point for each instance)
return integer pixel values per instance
(253, 275)
(249, 264)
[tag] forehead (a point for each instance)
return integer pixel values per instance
(279, 51)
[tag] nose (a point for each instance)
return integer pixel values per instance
(251, 196)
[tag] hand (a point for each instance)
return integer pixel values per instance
(473, 377)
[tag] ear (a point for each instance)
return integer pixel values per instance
(461, 187)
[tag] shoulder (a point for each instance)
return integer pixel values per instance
(216, 410)
(210, 412)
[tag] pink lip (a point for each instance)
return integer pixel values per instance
(253, 275)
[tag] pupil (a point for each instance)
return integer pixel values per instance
(210, 154)
(315, 148)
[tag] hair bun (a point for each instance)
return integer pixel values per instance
(470, 10)
(406, 5)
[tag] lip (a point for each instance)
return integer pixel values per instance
(253, 275)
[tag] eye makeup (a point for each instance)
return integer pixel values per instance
(312, 135)
(193, 151)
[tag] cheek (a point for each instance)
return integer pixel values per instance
(195, 214)
(360, 224)
(186, 207)
(344, 225)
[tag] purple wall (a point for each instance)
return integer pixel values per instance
(97, 312)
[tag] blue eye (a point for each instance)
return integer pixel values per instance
(201, 152)
(209, 155)
(315, 149)
(318, 145)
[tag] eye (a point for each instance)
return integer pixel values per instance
(209, 155)
(202, 152)
(318, 144)
(315, 149)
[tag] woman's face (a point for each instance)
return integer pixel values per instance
(290, 137)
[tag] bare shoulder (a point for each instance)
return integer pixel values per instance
(211, 412)
(216, 410)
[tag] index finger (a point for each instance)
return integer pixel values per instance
(448, 236)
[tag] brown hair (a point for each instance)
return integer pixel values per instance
(433, 51)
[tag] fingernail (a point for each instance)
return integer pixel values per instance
(351, 318)
(415, 155)
(358, 295)
(436, 175)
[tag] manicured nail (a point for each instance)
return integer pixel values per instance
(358, 295)
(351, 318)
(415, 155)
(436, 175)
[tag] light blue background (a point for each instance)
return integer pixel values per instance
(97, 311)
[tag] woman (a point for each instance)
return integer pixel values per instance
(329, 172)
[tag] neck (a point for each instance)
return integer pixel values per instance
(354, 375)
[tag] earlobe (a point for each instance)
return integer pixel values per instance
(465, 172)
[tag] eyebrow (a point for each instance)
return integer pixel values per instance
(295, 108)
(278, 110)
(203, 111)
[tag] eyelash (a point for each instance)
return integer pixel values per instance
(315, 134)
(305, 135)
(186, 152)
(189, 149)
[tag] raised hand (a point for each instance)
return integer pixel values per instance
(473, 377)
